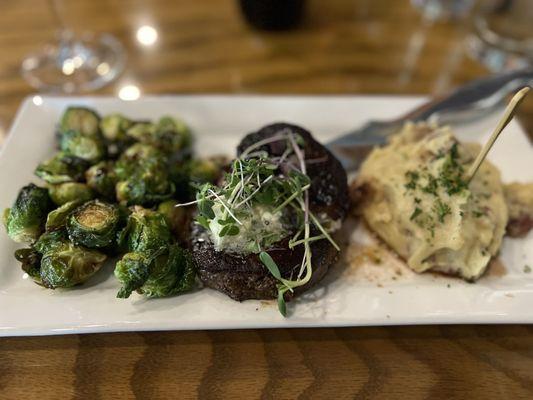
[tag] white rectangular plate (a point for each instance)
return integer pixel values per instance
(356, 293)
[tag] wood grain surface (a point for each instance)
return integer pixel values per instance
(352, 47)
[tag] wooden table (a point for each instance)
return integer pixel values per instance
(355, 47)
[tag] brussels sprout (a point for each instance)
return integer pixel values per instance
(69, 191)
(145, 188)
(144, 176)
(146, 230)
(207, 169)
(62, 168)
(102, 179)
(69, 265)
(57, 219)
(50, 241)
(170, 274)
(141, 131)
(138, 156)
(170, 135)
(179, 176)
(75, 143)
(94, 224)
(132, 271)
(176, 217)
(173, 134)
(114, 127)
(81, 119)
(30, 261)
(25, 220)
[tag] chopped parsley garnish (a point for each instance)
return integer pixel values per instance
(527, 269)
(478, 214)
(451, 174)
(442, 209)
(412, 177)
(431, 186)
(415, 213)
(449, 179)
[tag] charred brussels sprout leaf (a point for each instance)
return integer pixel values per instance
(114, 127)
(50, 241)
(132, 271)
(70, 191)
(57, 219)
(145, 231)
(102, 179)
(89, 148)
(62, 168)
(30, 261)
(80, 119)
(68, 265)
(94, 224)
(25, 220)
(170, 274)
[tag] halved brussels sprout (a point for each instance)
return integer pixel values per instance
(30, 261)
(69, 265)
(114, 127)
(62, 168)
(170, 273)
(94, 224)
(69, 191)
(25, 220)
(146, 230)
(81, 119)
(50, 241)
(57, 219)
(75, 143)
(102, 179)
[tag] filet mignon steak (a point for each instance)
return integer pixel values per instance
(244, 277)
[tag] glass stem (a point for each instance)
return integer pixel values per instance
(64, 33)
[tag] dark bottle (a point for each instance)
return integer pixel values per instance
(272, 15)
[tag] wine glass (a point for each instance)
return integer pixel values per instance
(502, 38)
(435, 10)
(74, 63)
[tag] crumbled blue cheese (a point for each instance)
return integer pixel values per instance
(260, 229)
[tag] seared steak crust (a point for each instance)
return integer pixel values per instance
(329, 187)
(244, 277)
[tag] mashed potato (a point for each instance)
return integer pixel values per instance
(418, 202)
